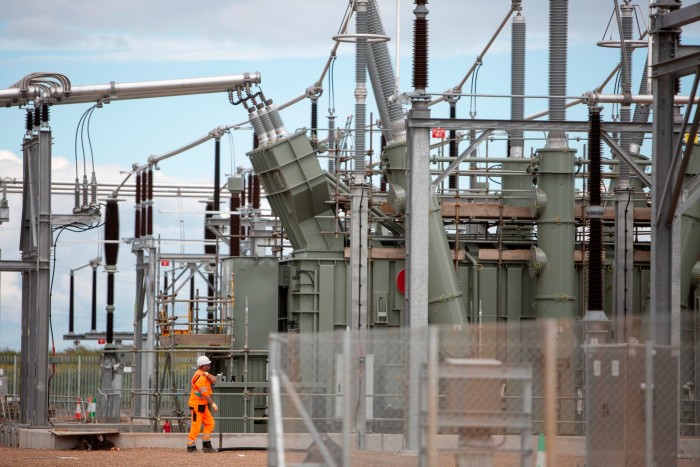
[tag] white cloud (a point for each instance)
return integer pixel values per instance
(73, 250)
(177, 31)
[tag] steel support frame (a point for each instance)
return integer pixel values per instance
(665, 254)
(35, 243)
(417, 261)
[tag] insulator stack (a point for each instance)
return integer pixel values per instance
(331, 143)
(85, 192)
(217, 173)
(110, 308)
(76, 206)
(361, 59)
(256, 192)
(137, 206)
(626, 54)
(150, 203)
(235, 226)
(258, 128)
(209, 246)
(641, 115)
(558, 38)
(250, 188)
(191, 304)
(111, 255)
(267, 123)
(256, 141)
(93, 190)
(380, 56)
(276, 119)
(93, 309)
(420, 45)
(45, 114)
(144, 197)
(595, 266)
(165, 283)
(517, 82)
(37, 117)
(111, 232)
(382, 183)
(71, 305)
(453, 180)
(210, 302)
(28, 122)
(314, 119)
(243, 193)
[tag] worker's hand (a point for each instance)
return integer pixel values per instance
(214, 407)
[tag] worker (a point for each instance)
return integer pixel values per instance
(200, 401)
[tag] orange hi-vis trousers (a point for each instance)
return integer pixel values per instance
(200, 416)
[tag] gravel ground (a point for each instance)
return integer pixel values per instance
(143, 457)
(171, 457)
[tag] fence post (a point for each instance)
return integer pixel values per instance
(79, 369)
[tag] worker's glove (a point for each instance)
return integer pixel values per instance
(214, 407)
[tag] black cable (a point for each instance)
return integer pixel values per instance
(359, 286)
(489, 177)
(624, 301)
(53, 366)
(75, 146)
(92, 156)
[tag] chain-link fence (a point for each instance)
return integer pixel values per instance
(480, 395)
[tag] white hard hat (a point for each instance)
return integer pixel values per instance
(203, 360)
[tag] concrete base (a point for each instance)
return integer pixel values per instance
(35, 438)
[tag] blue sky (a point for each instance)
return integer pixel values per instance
(95, 42)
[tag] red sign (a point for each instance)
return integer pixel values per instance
(401, 281)
(102, 341)
(164, 262)
(438, 132)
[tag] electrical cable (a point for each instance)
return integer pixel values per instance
(495, 166)
(331, 86)
(53, 343)
(232, 150)
(473, 87)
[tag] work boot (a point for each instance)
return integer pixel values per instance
(206, 447)
(191, 449)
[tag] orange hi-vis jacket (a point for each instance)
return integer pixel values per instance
(201, 386)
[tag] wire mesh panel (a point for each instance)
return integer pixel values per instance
(337, 391)
(497, 394)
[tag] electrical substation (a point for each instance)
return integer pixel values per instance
(387, 277)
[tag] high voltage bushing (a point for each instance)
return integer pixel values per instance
(144, 197)
(235, 226)
(45, 114)
(111, 255)
(209, 247)
(29, 118)
(314, 118)
(453, 181)
(137, 207)
(420, 45)
(217, 172)
(150, 203)
(256, 191)
(594, 211)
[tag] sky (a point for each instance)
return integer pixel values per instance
(288, 42)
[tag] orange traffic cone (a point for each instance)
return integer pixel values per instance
(78, 411)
